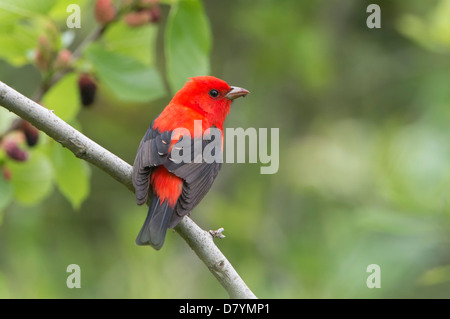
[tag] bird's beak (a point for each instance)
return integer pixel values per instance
(236, 92)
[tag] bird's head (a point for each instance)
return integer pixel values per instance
(209, 96)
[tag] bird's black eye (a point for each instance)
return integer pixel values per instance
(214, 93)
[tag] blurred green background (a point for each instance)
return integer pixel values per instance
(364, 171)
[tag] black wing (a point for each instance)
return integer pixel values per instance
(152, 152)
(197, 177)
(197, 181)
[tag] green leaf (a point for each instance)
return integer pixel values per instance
(71, 174)
(187, 42)
(32, 180)
(18, 40)
(24, 8)
(127, 78)
(134, 42)
(432, 31)
(6, 118)
(22, 22)
(63, 98)
(59, 11)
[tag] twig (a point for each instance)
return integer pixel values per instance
(83, 147)
(53, 78)
(217, 233)
(202, 244)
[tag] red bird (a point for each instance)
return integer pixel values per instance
(179, 187)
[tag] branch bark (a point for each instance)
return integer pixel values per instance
(84, 148)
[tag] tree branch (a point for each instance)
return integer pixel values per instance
(199, 240)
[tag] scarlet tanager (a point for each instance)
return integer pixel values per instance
(178, 187)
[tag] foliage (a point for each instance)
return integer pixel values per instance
(364, 175)
(121, 60)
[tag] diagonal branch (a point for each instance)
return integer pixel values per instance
(199, 240)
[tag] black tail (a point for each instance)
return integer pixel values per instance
(155, 226)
